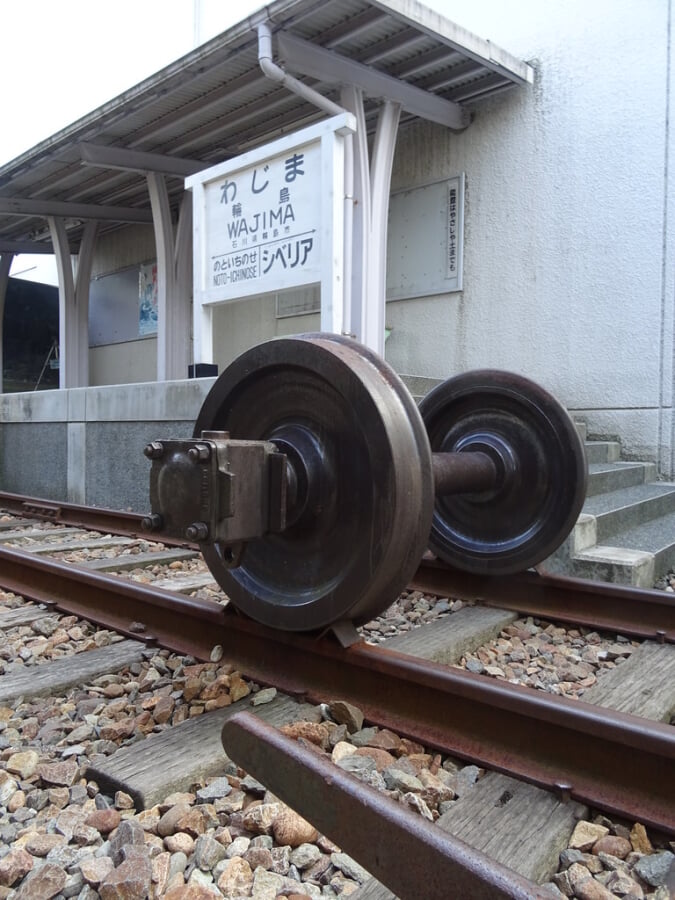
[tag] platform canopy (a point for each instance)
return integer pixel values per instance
(215, 103)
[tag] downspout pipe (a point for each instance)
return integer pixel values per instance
(271, 70)
(276, 73)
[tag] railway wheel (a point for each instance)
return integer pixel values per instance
(540, 465)
(360, 486)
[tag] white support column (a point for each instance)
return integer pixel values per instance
(73, 302)
(333, 166)
(85, 259)
(173, 307)
(161, 220)
(5, 265)
(181, 325)
(356, 230)
(69, 367)
(380, 184)
(365, 316)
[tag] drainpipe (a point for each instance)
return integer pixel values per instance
(274, 72)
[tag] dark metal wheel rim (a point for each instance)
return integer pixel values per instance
(350, 559)
(542, 465)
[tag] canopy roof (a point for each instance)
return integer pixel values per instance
(215, 103)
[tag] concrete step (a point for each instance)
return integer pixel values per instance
(626, 531)
(603, 451)
(637, 555)
(605, 477)
(618, 511)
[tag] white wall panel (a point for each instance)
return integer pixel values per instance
(565, 192)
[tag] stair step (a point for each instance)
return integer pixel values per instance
(636, 556)
(603, 451)
(614, 564)
(628, 507)
(605, 477)
(655, 536)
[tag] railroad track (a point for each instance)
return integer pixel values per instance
(446, 741)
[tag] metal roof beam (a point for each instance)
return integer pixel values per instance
(16, 206)
(404, 40)
(328, 66)
(354, 26)
(219, 100)
(437, 57)
(137, 160)
(458, 75)
(488, 85)
(102, 183)
(25, 247)
(224, 130)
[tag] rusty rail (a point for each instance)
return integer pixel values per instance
(647, 614)
(398, 847)
(638, 612)
(96, 518)
(560, 744)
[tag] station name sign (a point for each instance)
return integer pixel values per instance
(264, 226)
(270, 220)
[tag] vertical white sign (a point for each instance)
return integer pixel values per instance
(270, 220)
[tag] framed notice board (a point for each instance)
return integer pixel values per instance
(425, 240)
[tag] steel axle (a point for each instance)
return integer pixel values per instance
(292, 495)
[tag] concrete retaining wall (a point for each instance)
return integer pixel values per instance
(85, 445)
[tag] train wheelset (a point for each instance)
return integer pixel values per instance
(314, 483)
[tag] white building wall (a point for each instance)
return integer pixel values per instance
(129, 362)
(566, 277)
(123, 247)
(241, 325)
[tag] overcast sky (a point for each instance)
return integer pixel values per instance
(61, 59)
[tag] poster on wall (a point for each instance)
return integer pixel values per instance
(147, 299)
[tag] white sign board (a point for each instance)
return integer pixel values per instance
(270, 220)
(425, 240)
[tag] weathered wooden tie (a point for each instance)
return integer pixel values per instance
(13, 523)
(178, 757)
(35, 534)
(22, 615)
(54, 677)
(137, 560)
(643, 685)
(70, 545)
(183, 584)
(448, 639)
